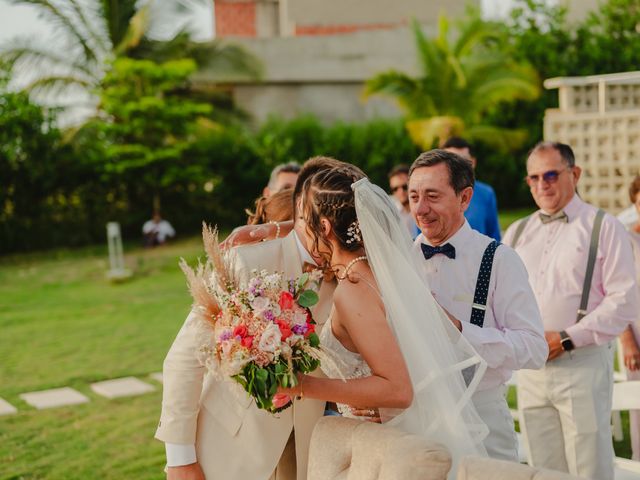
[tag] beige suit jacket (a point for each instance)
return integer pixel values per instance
(233, 438)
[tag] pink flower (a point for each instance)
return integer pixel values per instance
(280, 400)
(286, 301)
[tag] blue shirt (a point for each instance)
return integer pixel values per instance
(482, 213)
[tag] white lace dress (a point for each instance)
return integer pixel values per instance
(347, 364)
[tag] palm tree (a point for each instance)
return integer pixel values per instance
(94, 33)
(459, 82)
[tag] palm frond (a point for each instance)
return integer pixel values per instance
(117, 15)
(30, 56)
(138, 26)
(64, 23)
(429, 132)
(56, 84)
(400, 87)
(98, 38)
(428, 55)
(502, 139)
(473, 34)
(504, 85)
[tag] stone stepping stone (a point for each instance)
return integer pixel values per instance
(157, 376)
(6, 408)
(122, 387)
(57, 397)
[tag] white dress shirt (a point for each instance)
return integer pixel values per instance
(179, 455)
(163, 229)
(512, 336)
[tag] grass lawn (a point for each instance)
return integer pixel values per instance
(64, 324)
(506, 218)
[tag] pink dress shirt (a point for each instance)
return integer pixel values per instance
(555, 255)
(512, 336)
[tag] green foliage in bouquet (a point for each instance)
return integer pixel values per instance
(263, 382)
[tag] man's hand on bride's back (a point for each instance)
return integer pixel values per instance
(185, 472)
(368, 414)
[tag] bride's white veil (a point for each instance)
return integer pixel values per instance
(434, 350)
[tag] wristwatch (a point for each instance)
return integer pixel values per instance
(565, 340)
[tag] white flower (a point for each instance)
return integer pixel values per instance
(270, 339)
(300, 318)
(260, 304)
(315, 275)
(273, 279)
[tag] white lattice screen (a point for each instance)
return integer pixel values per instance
(601, 122)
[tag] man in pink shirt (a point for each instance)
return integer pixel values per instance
(565, 407)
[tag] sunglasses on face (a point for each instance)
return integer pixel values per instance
(404, 187)
(550, 176)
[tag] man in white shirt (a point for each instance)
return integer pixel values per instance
(483, 286)
(157, 231)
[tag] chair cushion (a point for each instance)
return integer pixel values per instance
(347, 449)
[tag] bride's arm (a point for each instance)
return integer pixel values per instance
(360, 317)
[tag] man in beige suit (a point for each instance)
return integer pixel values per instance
(212, 429)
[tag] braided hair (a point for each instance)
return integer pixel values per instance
(328, 194)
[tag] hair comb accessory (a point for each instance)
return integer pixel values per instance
(354, 233)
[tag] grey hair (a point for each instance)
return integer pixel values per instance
(290, 167)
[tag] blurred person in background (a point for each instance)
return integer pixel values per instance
(482, 213)
(157, 231)
(399, 186)
(630, 339)
(276, 208)
(282, 176)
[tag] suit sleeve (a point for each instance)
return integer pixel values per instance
(183, 376)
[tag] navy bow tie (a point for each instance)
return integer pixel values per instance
(446, 249)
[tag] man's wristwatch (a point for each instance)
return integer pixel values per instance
(567, 343)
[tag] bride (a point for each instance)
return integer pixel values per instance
(388, 338)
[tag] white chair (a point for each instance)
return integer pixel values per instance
(626, 396)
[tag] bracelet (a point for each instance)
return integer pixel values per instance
(277, 228)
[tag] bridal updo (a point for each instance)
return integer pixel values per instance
(328, 194)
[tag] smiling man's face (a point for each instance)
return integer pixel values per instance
(437, 209)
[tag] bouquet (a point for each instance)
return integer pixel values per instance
(260, 334)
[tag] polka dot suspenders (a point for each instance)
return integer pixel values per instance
(482, 285)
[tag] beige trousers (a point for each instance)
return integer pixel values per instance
(286, 468)
(565, 412)
(491, 405)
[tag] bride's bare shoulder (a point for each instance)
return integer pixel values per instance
(356, 296)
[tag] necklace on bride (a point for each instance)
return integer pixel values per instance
(349, 265)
